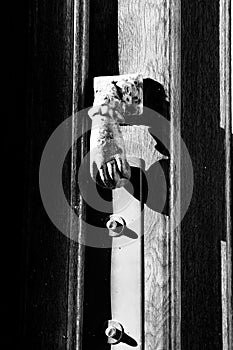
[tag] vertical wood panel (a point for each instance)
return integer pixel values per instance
(226, 123)
(228, 213)
(228, 193)
(224, 57)
(103, 60)
(49, 102)
(203, 225)
(148, 43)
(176, 185)
(144, 39)
(225, 344)
(78, 151)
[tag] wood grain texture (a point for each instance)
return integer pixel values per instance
(133, 137)
(176, 185)
(204, 223)
(225, 55)
(225, 344)
(78, 149)
(156, 304)
(49, 102)
(224, 60)
(138, 36)
(103, 60)
(148, 33)
(143, 38)
(228, 216)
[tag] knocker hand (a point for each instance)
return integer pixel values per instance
(115, 98)
(108, 156)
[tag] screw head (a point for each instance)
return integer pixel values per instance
(116, 225)
(114, 332)
(111, 331)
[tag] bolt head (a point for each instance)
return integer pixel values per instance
(114, 332)
(116, 225)
(110, 331)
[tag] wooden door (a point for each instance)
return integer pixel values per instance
(182, 50)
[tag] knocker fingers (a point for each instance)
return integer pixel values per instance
(115, 173)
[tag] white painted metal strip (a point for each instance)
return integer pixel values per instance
(126, 268)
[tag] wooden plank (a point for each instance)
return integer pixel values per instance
(176, 187)
(224, 296)
(103, 60)
(95, 36)
(225, 55)
(15, 139)
(49, 102)
(78, 150)
(224, 60)
(148, 37)
(144, 40)
(203, 225)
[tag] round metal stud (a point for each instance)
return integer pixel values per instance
(116, 225)
(114, 332)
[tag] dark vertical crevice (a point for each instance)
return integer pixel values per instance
(203, 224)
(48, 101)
(103, 60)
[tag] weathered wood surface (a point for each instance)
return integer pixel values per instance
(124, 37)
(224, 296)
(205, 222)
(144, 41)
(49, 102)
(103, 60)
(80, 64)
(148, 35)
(224, 60)
(225, 54)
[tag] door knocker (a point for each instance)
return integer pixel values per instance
(116, 97)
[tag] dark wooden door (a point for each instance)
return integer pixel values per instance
(182, 49)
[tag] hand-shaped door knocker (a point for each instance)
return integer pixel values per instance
(116, 97)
